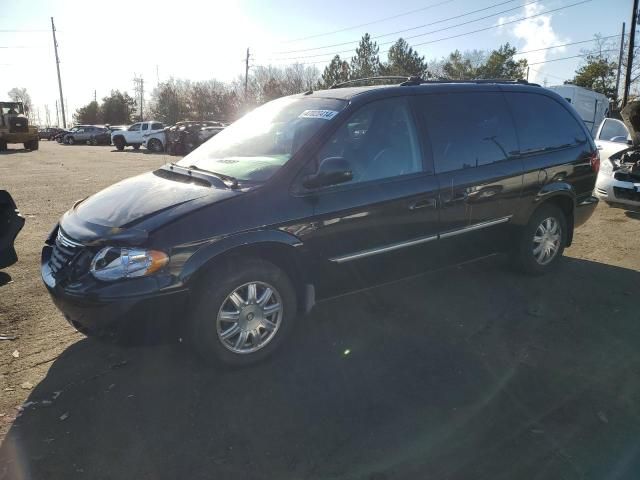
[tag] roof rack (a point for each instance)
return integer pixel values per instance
(477, 81)
(410, 81)
(367, 79)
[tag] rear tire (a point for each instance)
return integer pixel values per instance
(70, 141)
(155, 145)
(257, 333)
(119, 143)
(542, 241)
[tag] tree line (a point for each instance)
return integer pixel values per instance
(178, 99)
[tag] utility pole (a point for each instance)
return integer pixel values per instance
(57, 115)
(55, 47)
(620, 63)
(246, 73)
(95, 96)
(47, 114)
(139, 90)
(527, 74)
(632, 39)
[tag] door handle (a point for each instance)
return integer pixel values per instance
(424, 203)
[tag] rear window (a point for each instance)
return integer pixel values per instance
(468, 130)
(613, 128)
(543, 123)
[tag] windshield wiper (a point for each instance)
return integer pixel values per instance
(225, 178)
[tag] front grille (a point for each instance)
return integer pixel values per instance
(626, 194)
(64, 251)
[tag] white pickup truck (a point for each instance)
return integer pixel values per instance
(133, 135)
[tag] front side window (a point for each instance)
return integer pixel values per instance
(135, 127)
(378, 141)
(264, 140)
(145, 126)
(468, 130)
(543, 123)
(613, 128)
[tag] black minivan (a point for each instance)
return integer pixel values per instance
(313, 195)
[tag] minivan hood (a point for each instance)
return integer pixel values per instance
(631, 118)
(158, 195)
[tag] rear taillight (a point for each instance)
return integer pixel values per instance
(595, 161)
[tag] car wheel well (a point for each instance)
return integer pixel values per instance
(282, 256)
(566, 205)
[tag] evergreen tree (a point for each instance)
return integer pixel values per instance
(501, 64)
(89, 114)
(403, 60)
(366, 62)
(336, 72)
(598, 74)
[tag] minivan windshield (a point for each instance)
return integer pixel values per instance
(256, 146)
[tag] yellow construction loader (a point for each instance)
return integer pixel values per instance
(14, 126)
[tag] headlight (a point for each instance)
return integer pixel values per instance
(112, 263)
(606, 166)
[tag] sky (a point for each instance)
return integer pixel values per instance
(104, 45)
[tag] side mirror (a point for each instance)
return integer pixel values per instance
(332, 171)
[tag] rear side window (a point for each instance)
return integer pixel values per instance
(543, 123)
(467, 130)
(145, 126)
(613, 128)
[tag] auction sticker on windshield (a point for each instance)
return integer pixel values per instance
(325, 114)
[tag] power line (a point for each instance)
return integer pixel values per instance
(443, 38)
(566, 44)
(503, 24)
(538, 50)
(24, 31)
(574, 56)
(548, 75)
(369, 23)
(420, 26)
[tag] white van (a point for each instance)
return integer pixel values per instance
(593, 107)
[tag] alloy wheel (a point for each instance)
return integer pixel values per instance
(249, 317)
(546, 240)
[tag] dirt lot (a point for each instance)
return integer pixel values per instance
(471, 373)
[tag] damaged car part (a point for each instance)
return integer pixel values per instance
(11, 222)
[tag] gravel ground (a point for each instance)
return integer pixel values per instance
(473, 372)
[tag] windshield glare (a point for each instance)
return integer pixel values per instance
(261, 142)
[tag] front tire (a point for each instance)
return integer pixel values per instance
(32, 145)
(243, 313)
(542, 241)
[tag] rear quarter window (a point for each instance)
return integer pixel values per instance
(543, 123)
(468, 130)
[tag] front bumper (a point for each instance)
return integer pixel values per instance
(617, 192)
(19, 137)
(132, 305)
